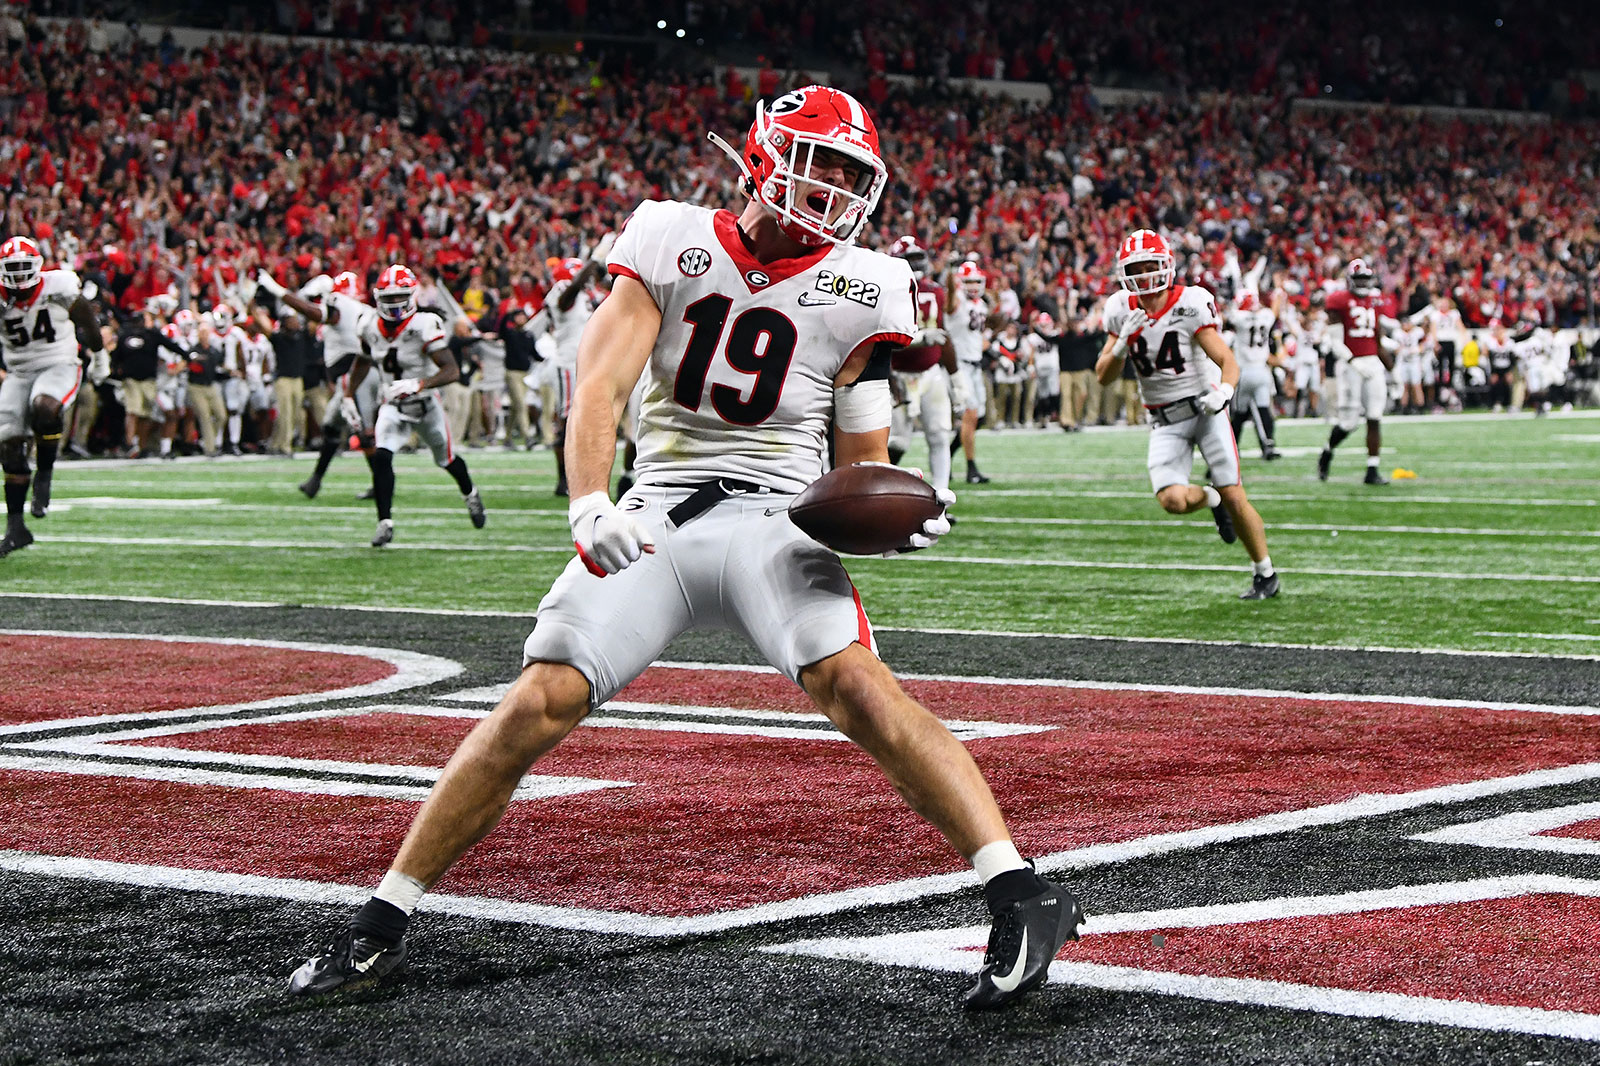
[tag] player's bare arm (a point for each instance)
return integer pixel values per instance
(312, 312)
(449, 370)
(616, 344)
(1217, 349)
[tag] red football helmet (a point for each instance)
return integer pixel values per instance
(20, 264)
(1044, 323)
(566, 269)
(396, 293)
(223, 315)
(1248, 301)
(912, 251)
(805, 133)
(1141, 247)
(1360, 278)
(347, 284)
(971, 278)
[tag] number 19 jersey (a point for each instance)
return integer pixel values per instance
(1170, 365)
(740, 382)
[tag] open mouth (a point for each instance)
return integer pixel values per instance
(818, 202)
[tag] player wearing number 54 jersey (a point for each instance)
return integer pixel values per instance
(754, 331)
(1186, 376)
(408, 347)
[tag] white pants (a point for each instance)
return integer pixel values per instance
(1256, 387)
(1172, 451)
(977, 396)
(741, 565)
(22, 387)
(367, 397)
(1363, 391)
(422, 415)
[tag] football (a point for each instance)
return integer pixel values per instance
(865, 508)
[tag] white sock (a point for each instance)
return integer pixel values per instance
(992, 860)
(1213, 497)
(235, 428)
(400, 890)
(1372, 461)
(939, 460)
(166, 445)
(1264, 567)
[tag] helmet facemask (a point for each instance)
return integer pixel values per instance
(1146, 282)
(395, 305)
(20, 272)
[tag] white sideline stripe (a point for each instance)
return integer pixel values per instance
(1539, 636)
(1298, 527)
(216, 504)
(1117, 564)
(186, 602)
(305, 545)
(1396, 498)
(159, 503)
(1520, 830)
(412, 670)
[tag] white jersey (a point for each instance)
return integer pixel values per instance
(965, 326)
(256, 352)
(233, 357)
(1252, 333)
(1408, 342)
(741, 376)
(404, 350)
(1169, 364)
(343, 338)
(1534, 350)
(1013, 358)
(37, 332)
(567, 326)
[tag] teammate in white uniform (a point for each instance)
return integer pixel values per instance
(1411, 344)
(336, 303)
(1186, 376)
(568, 306)
(1047, 369)
(235, 390)
(172, 377)
(757, 331)
(1255, 331)
(966, 313)
(42, 312)
(926, 372)
(408, 348)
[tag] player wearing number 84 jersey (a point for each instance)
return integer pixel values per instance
(1187, 376)
(754, 331)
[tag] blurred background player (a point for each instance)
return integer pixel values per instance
(1255, 338)
(42, 316)
(927, 372)
(567, 308)
(1358, 316)
(409, 349)
(1013, 364)
(966, 314)
(1046, 369)
(1186, 376)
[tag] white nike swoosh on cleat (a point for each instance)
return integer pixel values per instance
(363, 967)
(1010, 981)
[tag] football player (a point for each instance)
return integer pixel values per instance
(43, 316)
(568, 306)
(1358, 317)
(409, 349)
(336, 303)
(757, 330)
(1255, 343)
(966, 314)
(927, 372)
(1187, 376)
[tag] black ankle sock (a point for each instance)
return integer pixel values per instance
(330, 448)
(16, 496)
(46, 447)
(1013, 886)
(381, 920)
(457, 468)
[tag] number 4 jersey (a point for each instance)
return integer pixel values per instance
(1170, 365)
(740, 383)
(404, 350)
(37, 331)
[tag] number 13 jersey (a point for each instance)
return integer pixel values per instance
(1170, 365)
(740, 383)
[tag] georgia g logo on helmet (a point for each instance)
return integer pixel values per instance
(813, 160)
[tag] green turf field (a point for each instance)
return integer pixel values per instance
(1495, 545)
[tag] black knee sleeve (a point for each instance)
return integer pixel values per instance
(48, 421)
(14, 457)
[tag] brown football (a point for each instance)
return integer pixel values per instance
(864, 509)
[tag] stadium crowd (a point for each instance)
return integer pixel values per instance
(170, 175)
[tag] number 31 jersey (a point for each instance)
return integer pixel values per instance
(37, 332)
(1170, 365)
(740, 382)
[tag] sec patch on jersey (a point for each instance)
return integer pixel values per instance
(865, 508)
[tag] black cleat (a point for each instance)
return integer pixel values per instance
(1224, 524)
(311, 486)
(1262, 588)
(1271, 454)
(16, 538)
(41, 495)
(974, 477)
(1374, 478)
(384, 534)
(1022, 943)
(561, 487)
(351, 961)
(368, 494)
(1324, 463)
(475, 510)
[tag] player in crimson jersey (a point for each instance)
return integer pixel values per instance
(926, 372)
(1186, 376)
(1364, 315)
(756, 332)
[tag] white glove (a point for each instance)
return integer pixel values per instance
(270, 283)
(608, 540)
(602, 249)
(316, 288)
(99, 366)
(960, 392)
(1217, 398)
(933, 528)
(1136, 321)
(399, 390)
(350, 413)
(930, 337)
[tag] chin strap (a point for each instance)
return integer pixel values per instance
(738, 160)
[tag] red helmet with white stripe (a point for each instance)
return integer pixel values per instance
(971, 278)
(1360, 278)
(566, 270)
(396, 293)
(911, 250)
(795, 147)
(20, 264)
(347, 284)
(1145, 248)
(1248, 301)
